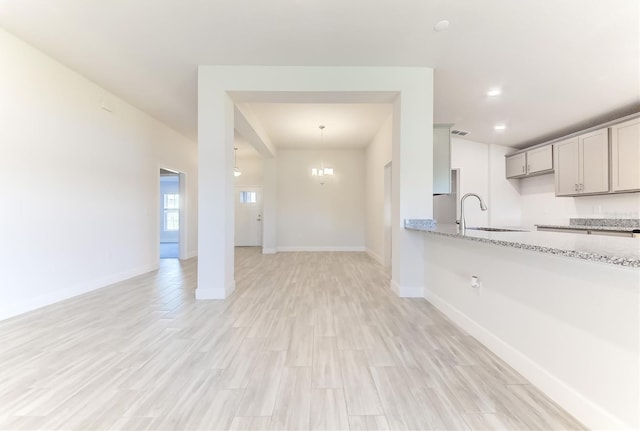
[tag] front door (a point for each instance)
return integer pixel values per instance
(248, 218)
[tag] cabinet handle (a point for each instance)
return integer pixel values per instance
(528, 168)
(581, 187)
(523, 169)
(576, 187)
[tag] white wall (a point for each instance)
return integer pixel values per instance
(504, 195)
(472, 158)
(252, 169)
(541, 206)
(311, 216)
(377, 155)
(482, 171)
(82, 200)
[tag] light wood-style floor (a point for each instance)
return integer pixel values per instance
(307, 341)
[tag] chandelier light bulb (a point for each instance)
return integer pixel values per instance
(321, 171)
(236, 171)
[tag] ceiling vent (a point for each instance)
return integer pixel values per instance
(459, 132)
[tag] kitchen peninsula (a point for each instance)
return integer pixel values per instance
(610, 250)
(561, 308)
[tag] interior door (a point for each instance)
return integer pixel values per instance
(248, 216)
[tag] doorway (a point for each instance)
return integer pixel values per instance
(169, 214)
(248, 216)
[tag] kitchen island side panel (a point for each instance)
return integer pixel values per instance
(569, 326)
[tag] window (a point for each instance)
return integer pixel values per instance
(171, 212)
(248, 197)
(171, 220)
(171, 201)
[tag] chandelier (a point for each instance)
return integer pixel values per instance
(322, 171)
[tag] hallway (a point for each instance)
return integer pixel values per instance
(307, 341)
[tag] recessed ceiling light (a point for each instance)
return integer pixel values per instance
(493, 92)
(499, 127)
(441, 25)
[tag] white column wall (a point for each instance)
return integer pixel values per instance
(411, 187)
(215, 194)
(412, 151)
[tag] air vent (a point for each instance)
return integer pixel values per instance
(459, 132)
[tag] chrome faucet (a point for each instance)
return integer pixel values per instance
(483, 207)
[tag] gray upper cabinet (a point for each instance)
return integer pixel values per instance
(536, 161)
(625, 156)
(582, 164)
(567, 174)
(540, 160)
(442, 158)
(601, 159)
(516, 165)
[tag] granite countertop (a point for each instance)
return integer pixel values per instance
(603, 224)
(605, 249)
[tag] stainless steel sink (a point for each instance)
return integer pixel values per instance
(496, 229)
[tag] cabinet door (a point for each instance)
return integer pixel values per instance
(625, 156)
(516, 165)
(594, 157)
(566, 160)
(441, 158)
(540, 160)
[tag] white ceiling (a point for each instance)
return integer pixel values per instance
(561, 64)
(297, 125)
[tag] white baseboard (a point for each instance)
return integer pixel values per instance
(586, 411)
(24, 306)
(215, 292)
(321, 248)
(407, 291)
(269, 251)
(375, 256)
(191, 254)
